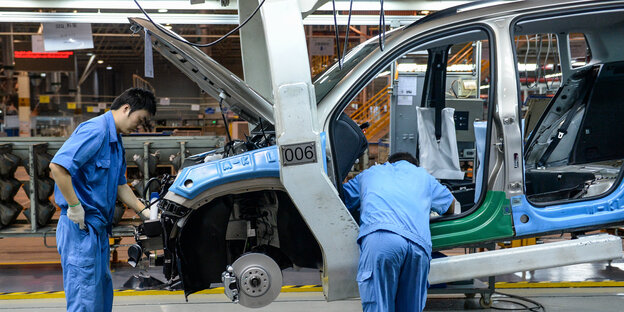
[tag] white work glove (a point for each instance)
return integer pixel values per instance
(144, 214)
(77, 215)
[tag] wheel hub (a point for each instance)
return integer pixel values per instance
(255, 281)
(258, 280)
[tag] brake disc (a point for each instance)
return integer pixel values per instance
(259, 279)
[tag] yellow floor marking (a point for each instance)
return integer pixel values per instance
(302, 288)
(29, 263)
(560, 284)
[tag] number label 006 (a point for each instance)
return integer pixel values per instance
(297, 154)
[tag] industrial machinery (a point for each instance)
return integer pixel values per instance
(236, 214)
(35, 153)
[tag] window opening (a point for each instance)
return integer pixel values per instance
(388, 104)
(569, 155)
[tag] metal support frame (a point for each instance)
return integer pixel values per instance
(504, 261)
(26, 148)
(32, 164)
(146, 177)
(167, 145)
(182, 152)
(296, 122)
(254, 51)
(477, 286)
(506, 116)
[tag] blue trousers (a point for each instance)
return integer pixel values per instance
(392, 273)
(85, 261)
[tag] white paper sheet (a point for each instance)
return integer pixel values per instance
(67, 36)
(407, 85)
(404, 100)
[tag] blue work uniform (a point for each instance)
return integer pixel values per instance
(94, 157)
(395, 200)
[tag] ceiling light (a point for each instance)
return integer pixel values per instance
(168, 26)
(411, 67)
(100, 61)
(553, 75)
(109, 67)
(163, 10)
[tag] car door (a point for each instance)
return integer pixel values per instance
(570, 70)
(486, 215)
(507, 183)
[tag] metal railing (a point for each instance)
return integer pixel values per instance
(375, 111)
(35, 153)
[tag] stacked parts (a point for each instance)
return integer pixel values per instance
(44, 186)
(9, 209)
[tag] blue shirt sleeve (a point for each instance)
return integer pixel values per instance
(352, 193)
(80, 147)
(122, 174)
(441, 197)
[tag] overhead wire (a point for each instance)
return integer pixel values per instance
(197, 44)
(546, 61)
(538, 57)
(555, 62)
(344, 50)
(336, 34)
(381, 34)
(526, 58)
(382, 26)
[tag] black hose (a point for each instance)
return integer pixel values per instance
(382, 26)
(197, 44)
(344, 50)
(336, 35)
(537, 307)
(147, 185)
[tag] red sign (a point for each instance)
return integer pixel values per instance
(43, 55)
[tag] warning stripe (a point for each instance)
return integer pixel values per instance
(562, 284)
(299, 288)
(132, 292)
(29, 263)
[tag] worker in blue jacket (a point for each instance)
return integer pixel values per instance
(89, 171)
(395, 200)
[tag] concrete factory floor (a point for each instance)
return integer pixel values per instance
(568, 300)
(31, 280)
(38, 287)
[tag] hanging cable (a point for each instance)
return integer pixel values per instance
(344, 51)
(546, 61)
(197, 44)
(538, 57)
(382, 26)
(526, 57)
(336, 33)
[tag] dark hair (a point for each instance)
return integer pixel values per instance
(403, 156)
(138, 99)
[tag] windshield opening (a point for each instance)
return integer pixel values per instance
(328, 79)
